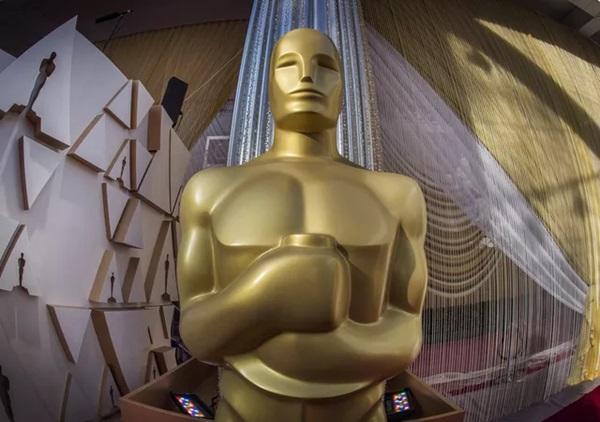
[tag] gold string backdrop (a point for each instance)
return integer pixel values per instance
(206, 56)
(528, 88)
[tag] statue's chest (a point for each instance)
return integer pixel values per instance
(261, 210)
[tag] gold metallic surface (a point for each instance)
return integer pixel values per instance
(301, 274)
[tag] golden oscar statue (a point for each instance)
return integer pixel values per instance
(302, 275)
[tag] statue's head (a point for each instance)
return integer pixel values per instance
(305, 87)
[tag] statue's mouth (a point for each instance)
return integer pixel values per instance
(307, 92)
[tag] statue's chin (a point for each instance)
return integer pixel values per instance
(306, 122)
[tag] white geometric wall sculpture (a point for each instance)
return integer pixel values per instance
(94, 81)
(154, 187)
(64, 238)
(108, 396)
(142, 102)
(161, 268)
(99, 143)
(133, 334)
(178, 154)
(53, 103)
(166, 313)
(159, 127)
(70, 324)
(120, 106)
(9, 234)
(119, 169)
(37, 166)
(89, 148)
(107, 269)
(11, 273)
(129, 230)
(114, 200)
(152, 371)
(140, 160)
(132, 281)
(5, 60)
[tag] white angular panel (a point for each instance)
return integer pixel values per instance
(37, 166)
(154, 188)
(94, 81)
(140, 160)
(5, 60)
(22, 380)
(152, 371)
(71, 327)
(178, 164)
(17, 82)
(120, 106)
(167, 312)
(107, 270)
(129, 335)
(119, 168)
(143, 103)
(90, 147)
(114, 200)
(129, 230)
(108, 396)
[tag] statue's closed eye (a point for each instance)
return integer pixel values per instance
(286, 63)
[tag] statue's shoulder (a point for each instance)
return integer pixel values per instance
(396, 190)
(204, 187)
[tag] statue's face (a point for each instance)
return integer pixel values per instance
(305, 88)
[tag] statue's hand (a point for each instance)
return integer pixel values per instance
(305, 284)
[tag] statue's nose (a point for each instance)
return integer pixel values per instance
(306, 75)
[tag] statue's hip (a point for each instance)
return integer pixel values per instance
(241, 400)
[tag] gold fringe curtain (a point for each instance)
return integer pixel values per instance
(529, 90)
(206, 56)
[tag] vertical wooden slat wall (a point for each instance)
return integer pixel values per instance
(206, 56)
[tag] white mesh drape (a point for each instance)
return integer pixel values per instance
(504, 306)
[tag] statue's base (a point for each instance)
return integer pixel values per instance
(151, 402)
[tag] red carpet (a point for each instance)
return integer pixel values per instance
(586, 409)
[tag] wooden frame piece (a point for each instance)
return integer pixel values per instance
(158, 122)
(125, 223)
(134, 161)
(63, 336)
(165, 359)
(163, 319)
(129, 279)
(134, 104)
(65, 398)
(108, 350)
(10, 246)
(155, 258)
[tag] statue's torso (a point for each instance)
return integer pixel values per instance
(271, 200)
(253, 206)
